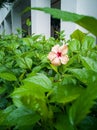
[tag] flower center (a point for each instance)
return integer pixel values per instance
(58, 54)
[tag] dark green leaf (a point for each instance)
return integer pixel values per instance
(62, 122)
(2, 90)
(22, 117)
(89, 123)
(81, 107)
(65, 94)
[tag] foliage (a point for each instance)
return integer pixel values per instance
(34, 94)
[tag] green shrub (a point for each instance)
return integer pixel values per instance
(35, 94)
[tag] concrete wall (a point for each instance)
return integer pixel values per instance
(40, 20)
(71, 6)
(86, 7)
(16, 18)
(8, 24)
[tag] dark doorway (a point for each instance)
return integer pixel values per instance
(25, 18)
(55, 23)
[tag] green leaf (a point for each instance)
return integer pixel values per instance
(86, 22)
(68, 80)
(12, 116)
(88, 43)
(30, 91)
(92, 54)
(32, 96)
(62, 122)
(27, 41)
(89, 123)
(22, 117)
(65, 94)
(36, 69)
(74, 45)
(3, 102)
(41, 80)
(8, 76)
(54, 68)
(77, 34)
(25, 63)
(4, 113)
(89, 63)
(85, 76)
(2, 90)
(28, 22)
(81, 107)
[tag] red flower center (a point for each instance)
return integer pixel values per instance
(59, 54)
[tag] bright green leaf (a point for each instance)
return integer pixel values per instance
(32, 96)
(84, 75)
(25, 63)
(74, 45)
(88, 43)
(89, 63)
(8, 76)
(77, 34)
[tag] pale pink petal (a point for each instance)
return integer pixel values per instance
(58, 56)
(64, 59)
(51, 56)
(64, 49)
(56, 62)
(55, 48)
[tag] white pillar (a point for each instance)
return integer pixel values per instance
(87, 7)
(16, 20)
(68, 27)
(40, 20)
(8, 24)
(2, 28)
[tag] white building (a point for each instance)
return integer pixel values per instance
(11, 18)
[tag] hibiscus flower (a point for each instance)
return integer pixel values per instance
(58, 55)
